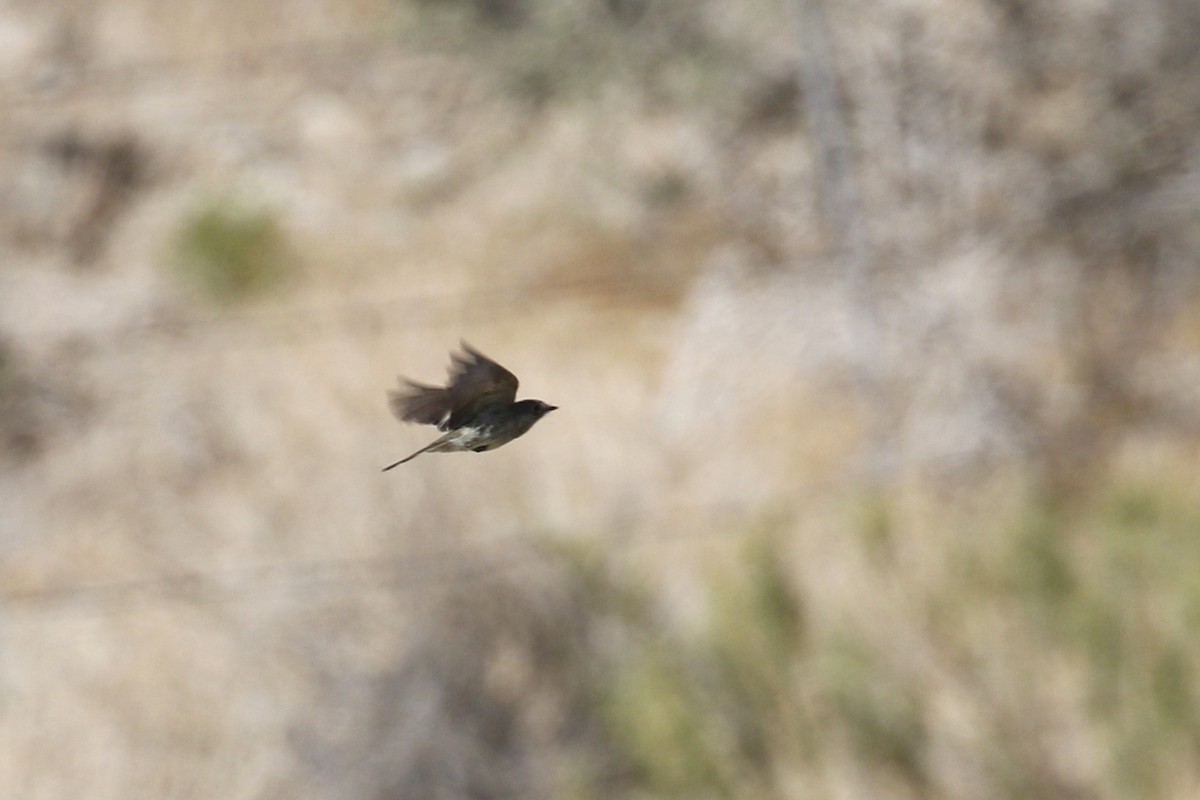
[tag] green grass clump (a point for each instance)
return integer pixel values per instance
(6, 366)
(703, 716)
(1136, 615)
(231, 252)
(657, 715)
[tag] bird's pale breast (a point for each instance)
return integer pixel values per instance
(470, 437)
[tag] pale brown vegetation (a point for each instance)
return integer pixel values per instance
(930, 533)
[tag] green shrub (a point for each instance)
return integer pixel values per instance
(230, 252)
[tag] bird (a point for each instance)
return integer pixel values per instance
(476, 410)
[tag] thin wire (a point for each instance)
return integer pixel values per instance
(408, 311)
(355, 320)
(450, 566)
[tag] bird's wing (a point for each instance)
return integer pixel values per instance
(416, 402)
(477, 382)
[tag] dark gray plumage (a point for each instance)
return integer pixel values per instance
(477, 408)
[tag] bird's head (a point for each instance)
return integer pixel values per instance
(533, 409)
(542, 409)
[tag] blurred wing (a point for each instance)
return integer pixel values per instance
(415, 402)
(477, 382)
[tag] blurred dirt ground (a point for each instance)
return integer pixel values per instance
(871, 483)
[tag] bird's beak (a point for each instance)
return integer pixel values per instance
(550, 408)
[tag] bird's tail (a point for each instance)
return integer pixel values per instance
(431, 446)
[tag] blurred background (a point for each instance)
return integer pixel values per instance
(876, 337)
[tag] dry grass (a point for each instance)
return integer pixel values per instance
(781, 540)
